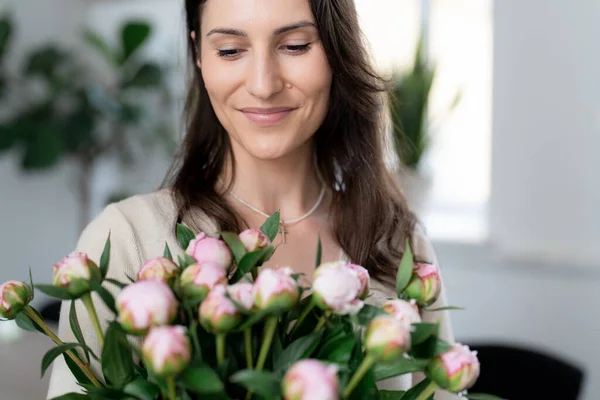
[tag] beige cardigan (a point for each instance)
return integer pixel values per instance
(139, 227)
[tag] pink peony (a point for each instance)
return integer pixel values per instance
(425, 285)
(241, 293)
(363, 277)
(198, 280)
(254, 239)
(337, 288)
(14, 296)
(205, 249)
(276, 290)
(159, 269)
(404, 311)
(310, 380)
(218, 314)
(455, 370)
(74, 272)
(387, 339)
(166, 350)
(144, 304)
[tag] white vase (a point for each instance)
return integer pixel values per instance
(416, 186)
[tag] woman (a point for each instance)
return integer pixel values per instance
(284, 113)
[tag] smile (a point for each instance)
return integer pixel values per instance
(265, 117)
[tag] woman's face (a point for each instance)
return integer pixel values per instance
(266, 73)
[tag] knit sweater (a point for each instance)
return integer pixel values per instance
(139, 227)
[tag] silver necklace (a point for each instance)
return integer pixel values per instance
(282, 222)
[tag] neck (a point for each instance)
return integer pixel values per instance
(289, 184)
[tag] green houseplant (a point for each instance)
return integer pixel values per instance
(61, 107)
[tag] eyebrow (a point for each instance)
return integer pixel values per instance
(278, 31)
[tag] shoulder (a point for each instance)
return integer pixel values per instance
(137, 226)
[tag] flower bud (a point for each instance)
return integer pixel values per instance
(217, 313)
(387, 339)
(199, 279)
(14, 296)
(455, 370)
(404, 311)
(166, 350)
(241, 293)
(74, 272)
(425, 284)
(205, 249)
(337, 288)
(159, 269)
(254, 239)
(144, 304)
(275, 290)
(363, 277)
(310, 380)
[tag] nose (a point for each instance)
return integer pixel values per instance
(264, 75)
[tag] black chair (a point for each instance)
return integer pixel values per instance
(517, 373)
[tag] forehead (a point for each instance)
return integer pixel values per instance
(254, 15)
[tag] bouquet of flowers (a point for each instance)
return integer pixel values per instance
(212, 325)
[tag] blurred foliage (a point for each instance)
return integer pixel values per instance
(72, 112)
(409, 100)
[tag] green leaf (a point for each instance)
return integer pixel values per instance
(44, 147)
(167, 252)
(235, 245)
(6, 29)
(338, 351)
(391, 394)
(115, 282)
(482, 396)
(142, 389)
(271, 226)
(430, 348)
(423, 331)
(44, 61)
(405, 270)
(55, 291)
(148, 76)
(54, 352)
(99, 44)
(76, 329)
(319, 251)
(297, 350)
(105, 295)
(24, 322)
(400, 367)
(367, 313)
(416, 390)
(443, 308)
(73, 396)
(184, 236)
(105, 257)
(79, 375)
(262, 383)
(117, 358)
(202, 380)
(31, 284)
(133, 36)
(251, 260)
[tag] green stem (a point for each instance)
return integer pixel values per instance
(254, 273)
(364, 367)
(322, 322)
(89, 305)
(39, 322)
(248, 346)
(220, 348)
(172, 390)
(307, 309)
(428, 391)
(270, 327)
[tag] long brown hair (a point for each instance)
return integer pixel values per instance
(369, 215)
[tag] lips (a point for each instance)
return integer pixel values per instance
(265, 117)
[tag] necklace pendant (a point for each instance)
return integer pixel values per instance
(283, 233)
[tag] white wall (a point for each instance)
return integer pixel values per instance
(546, 132)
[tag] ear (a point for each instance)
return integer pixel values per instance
(193, 36)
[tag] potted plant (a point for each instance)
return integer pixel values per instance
(61, 107)
(408, 102)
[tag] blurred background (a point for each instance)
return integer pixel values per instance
(499, 100)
